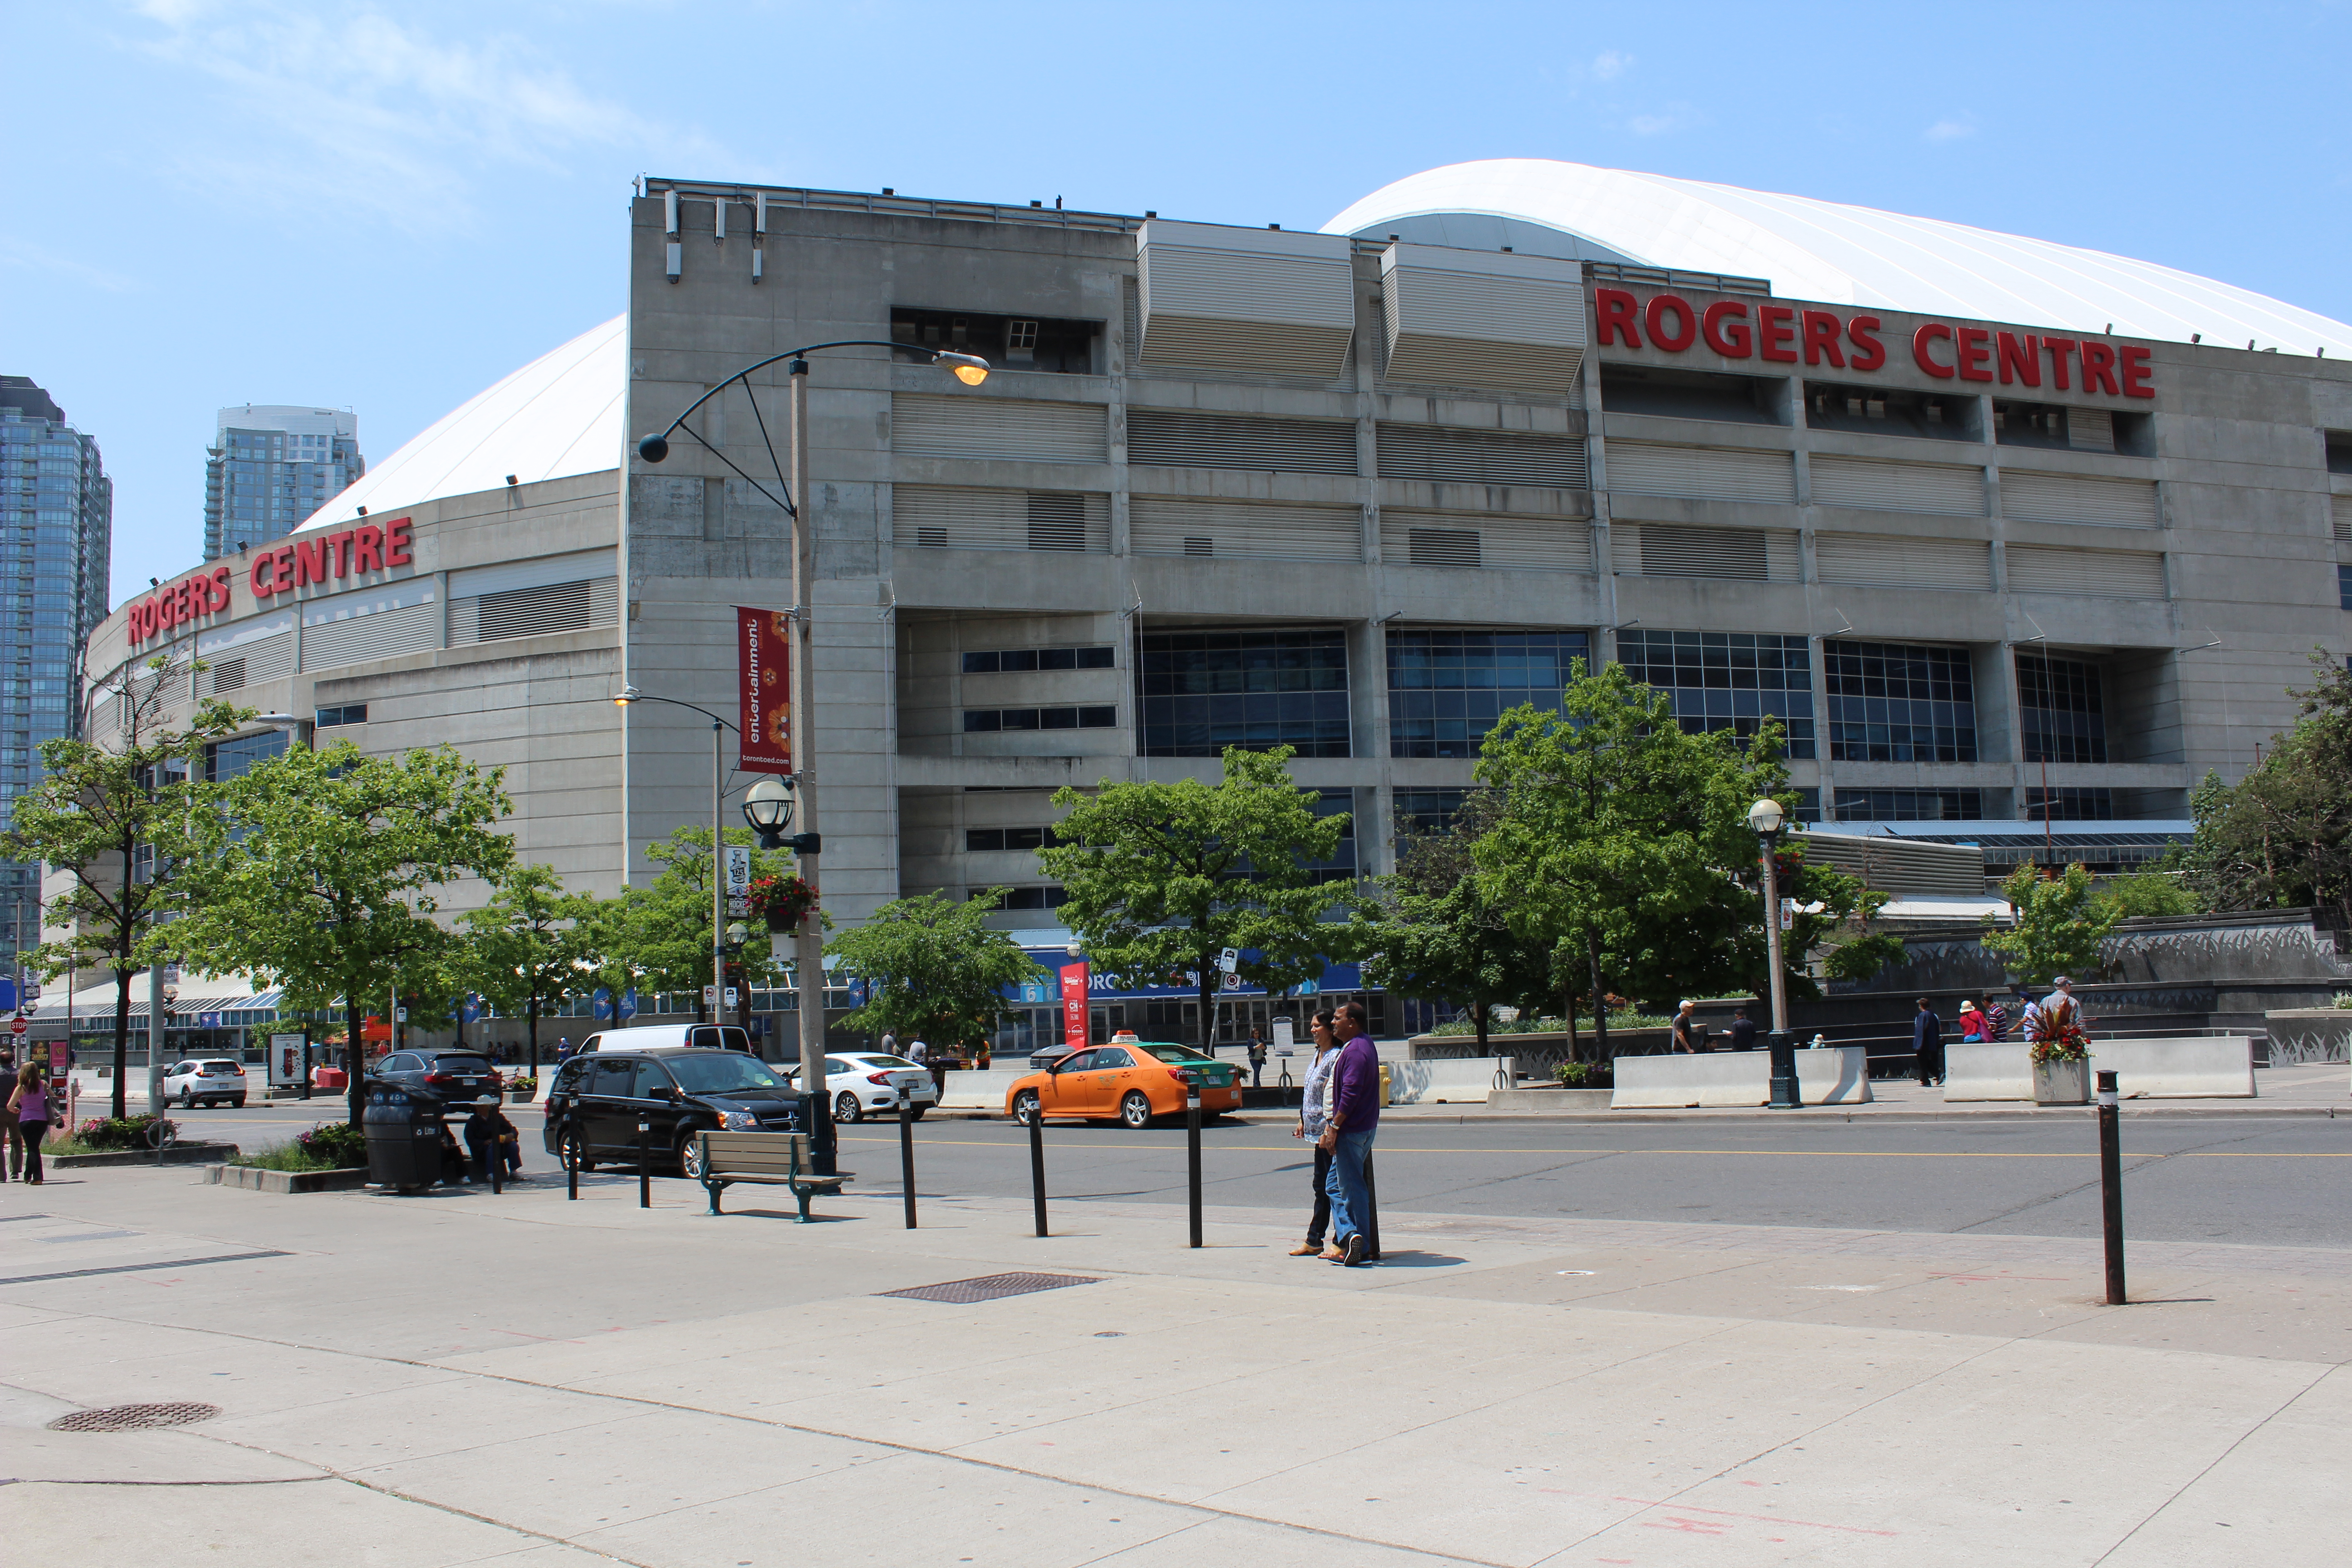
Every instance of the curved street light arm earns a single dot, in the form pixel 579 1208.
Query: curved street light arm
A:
pixel 631 695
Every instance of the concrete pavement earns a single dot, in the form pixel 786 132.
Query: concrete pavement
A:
pixel 521 1380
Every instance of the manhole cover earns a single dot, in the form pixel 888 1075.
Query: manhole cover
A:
pixel 989 1286
pixel 134 1417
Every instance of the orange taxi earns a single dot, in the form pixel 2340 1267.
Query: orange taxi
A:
pixel 1134 1081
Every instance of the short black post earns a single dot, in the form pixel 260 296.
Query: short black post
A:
pixel 1193 1147
pixel 1372 1212
pixel 1037 1165
pixel 1787 1093
pixel 907 1153
pixel 645 1171
pixel 2111 1185
pixel 569 1147
pixel 498 1165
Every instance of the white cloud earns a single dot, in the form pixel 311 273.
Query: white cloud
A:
pixel 1673 117
pixel 329 112
pixel 1950 130
pixel 1609 64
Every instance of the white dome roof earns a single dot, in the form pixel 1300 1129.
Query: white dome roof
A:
pixel 1843 255
pixel 558 415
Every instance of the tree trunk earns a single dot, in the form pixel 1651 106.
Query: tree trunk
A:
pixel 534 1035
pixel 355 1100
pixel 122 1041
pixel 1600 1000
pixel 1478 1016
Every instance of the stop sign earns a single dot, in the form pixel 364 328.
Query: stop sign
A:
pixel 19 1027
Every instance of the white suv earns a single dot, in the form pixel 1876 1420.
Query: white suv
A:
pixel 868 1083
pixel 207 1082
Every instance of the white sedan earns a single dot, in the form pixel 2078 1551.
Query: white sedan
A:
pixel 871 1083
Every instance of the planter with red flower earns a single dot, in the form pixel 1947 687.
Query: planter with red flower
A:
pixel 782 902
pixel 2061 1065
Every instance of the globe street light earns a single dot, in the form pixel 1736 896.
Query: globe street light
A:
pixel 1765 817
pixel 768 807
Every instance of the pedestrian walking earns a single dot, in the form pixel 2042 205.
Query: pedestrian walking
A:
pixel 1928 1044
pixel 1996 1021
pixel 889 1044
pixel 14 1138
pixel 1313 1116
pixel 562 1049
pixel 917 1051
pixel 1689 1036
pixel 1972 1024
pixel 1743 1031
pixel 2029 1015
pixel 1258 1062
pixel 30 1114
pixel 1355 1118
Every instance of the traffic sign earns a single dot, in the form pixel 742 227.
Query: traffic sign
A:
pixel 18 1026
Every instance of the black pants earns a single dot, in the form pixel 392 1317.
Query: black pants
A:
pixel 1931 1063
pixel 1320 1221
pixel 33 1133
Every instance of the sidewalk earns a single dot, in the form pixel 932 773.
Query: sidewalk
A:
pixel 467 1379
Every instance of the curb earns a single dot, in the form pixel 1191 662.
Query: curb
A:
pixel 254 1179
pixel 177 1154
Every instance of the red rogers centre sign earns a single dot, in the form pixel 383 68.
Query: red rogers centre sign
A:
pixel 1791 334
pixel 294 563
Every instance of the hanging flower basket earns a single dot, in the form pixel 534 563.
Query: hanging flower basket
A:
pixel 782 902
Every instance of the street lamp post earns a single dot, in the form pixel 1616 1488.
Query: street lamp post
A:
pixel 1765 817
pixel 718 728
pixel 808 941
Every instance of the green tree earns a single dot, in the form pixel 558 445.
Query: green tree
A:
pixel 659 939
pixel 1159 878
pixel 524 947
pixel 318 872
pixel 2143 893
pixel 2281 837
pixel 2058 924
pixel 932 968
pixel 98 815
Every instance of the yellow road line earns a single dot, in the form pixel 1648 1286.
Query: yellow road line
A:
pixel 1737 1153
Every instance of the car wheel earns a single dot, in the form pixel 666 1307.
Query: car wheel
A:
pixel 847 1108
pixel 574 1151
pixel 918 1112
pixel 689 1156
pixel 187 1099
pixel 237 1105
pixel 1025 1107
pixel 1134 1111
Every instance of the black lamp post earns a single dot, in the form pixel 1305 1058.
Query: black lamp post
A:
pixel 1765 817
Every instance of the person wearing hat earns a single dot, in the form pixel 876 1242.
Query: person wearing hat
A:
pixel 1973 1029
pixel 490 1136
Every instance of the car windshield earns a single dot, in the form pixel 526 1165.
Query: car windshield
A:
pixel 721 1072
pixel 886 1062
pixel 461 1064
pixel 1178 1055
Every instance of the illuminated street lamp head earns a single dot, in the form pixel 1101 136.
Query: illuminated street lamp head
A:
pixel 970 369
pixel 1765 815
pixel 653 448
pixel 768 807
pixel 628 694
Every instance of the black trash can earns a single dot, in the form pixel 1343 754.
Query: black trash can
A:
pixel 404 1138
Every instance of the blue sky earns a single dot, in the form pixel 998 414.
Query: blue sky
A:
pixel 388 207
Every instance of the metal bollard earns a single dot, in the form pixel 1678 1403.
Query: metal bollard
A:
pixel 565 1142
pixel 498 1166
pixel 645 1171
pixel 1037 1166
pixel 907 1153
pixel 2111 1185
pixel 1372 1213
pixel 1192 1146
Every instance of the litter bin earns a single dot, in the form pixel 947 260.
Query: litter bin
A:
pixel 404 1139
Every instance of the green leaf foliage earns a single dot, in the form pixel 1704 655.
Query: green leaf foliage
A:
pixel 1160 878
pixel 524 949
pixel 2142 893
pixel 2281 837
pixel 933 969
pixel 2059 923
pixel 658 937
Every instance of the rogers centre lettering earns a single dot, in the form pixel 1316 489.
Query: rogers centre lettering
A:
pixel 295 563
pixel 1785 334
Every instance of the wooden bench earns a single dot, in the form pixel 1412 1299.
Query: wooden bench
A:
pixel 771 1159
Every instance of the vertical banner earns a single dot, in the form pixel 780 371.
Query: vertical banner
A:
pixel 763 668
pixel 286 1054
pixel 1076 1033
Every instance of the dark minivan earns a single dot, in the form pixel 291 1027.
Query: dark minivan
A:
pixel 599 1098
pixel 451 1077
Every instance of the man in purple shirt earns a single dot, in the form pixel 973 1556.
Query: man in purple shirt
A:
pixel 1355 1116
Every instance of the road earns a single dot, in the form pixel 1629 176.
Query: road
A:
pixel 2284 1183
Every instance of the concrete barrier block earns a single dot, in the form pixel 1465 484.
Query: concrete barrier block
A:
pixel 972 1089
pixel 1711 1078
pixel 2001 1070
pixel 1458 1081
pixel 1835 1075
pixel 2219 1067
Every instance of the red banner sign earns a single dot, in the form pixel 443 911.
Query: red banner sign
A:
pixel 763 642
pixel 1076 1035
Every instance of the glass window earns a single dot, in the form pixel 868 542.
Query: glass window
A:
pixel 2344 586
pixel 1728 681
pixel 2065 720
pixel 2070 804
pixel 1909 805
pixel 1203 692
pixel 614 1078
pixel 1423 813
pixel 1112 1056
pixel 225 760
pixel 1899 702
pixel 1446 688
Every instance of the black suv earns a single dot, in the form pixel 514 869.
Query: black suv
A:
pixel 451 1077
pixel 599 1097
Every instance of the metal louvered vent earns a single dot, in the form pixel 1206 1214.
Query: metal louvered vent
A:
pixel 2091 429
pixel 937 425
pixel 1165 438
pixel 1705 473
pixel 1735 553
pixel 1057 520
pixel 2078 497
pixel 533 612
pixel 991 1286
pixel 931 538
pixel 1443 546
pixel 1892 561
pixel 940 517
pixel 1199 544
pixel 2341 506
pixel 229 674
pixel 2098 574
pixel 1161 525
pixel 134 1417
pixel 1445 455
pixel 1943 489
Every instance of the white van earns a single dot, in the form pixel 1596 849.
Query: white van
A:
pixel 652 1036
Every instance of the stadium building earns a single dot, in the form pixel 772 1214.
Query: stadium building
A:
pixel 2010 534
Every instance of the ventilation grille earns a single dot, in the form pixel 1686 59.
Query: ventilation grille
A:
pixel 2091 429
pixel 1509 542
pixel 534 612
pixel 1943 489
pixel 134 1417
pixel 1442 455
pixel 2341 506
pixel 938 516
pixel 1517 321
pixel 1159 526
pixel 385 634
pixel 1670 550
pixel 989 1287
pixel 998 430
pixel 1287 309
pixel 2074 498
pixel 1702 473
pixel 1899 561
pixel 227 675
pixel 1160 437
pixel 2100 573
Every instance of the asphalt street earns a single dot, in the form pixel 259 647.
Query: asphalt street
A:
pixel 2200 1177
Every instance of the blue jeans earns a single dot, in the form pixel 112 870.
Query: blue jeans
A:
pixel 1350 1205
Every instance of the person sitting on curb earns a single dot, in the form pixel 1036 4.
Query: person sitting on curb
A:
pixel 490 1136
pixel 1311 1118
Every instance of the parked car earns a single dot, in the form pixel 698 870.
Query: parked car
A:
pixel 595 1101
pixel 650 1037
pixel 452 1076
pixel 863 1083
pixel 213 1081
pixel 1135 1081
